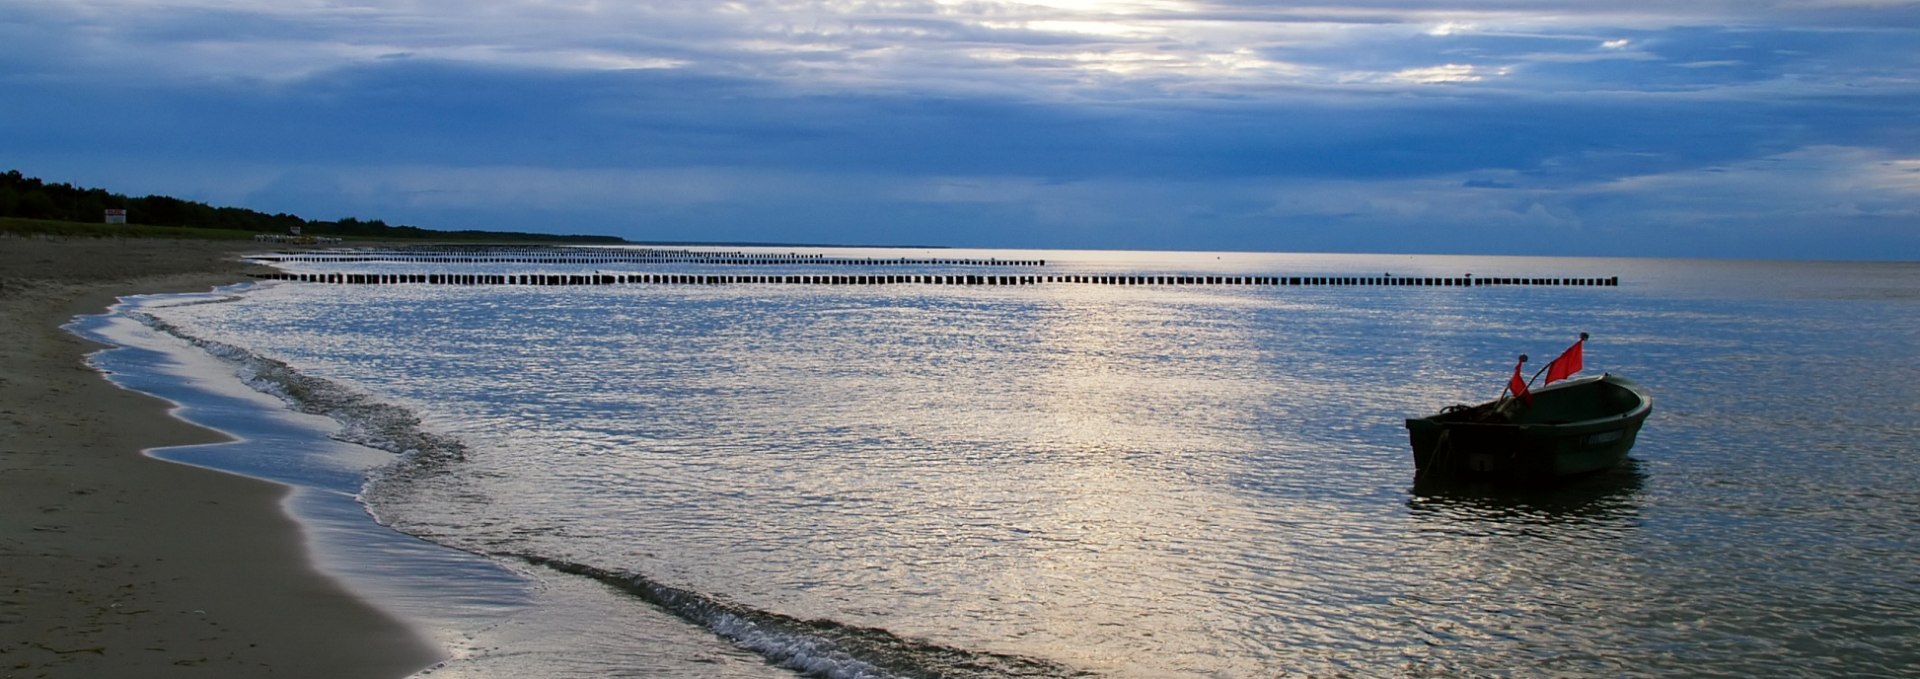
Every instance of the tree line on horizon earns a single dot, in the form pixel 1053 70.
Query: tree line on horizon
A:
pixel 31 198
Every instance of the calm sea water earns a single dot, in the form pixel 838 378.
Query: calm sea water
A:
pixel 1062 480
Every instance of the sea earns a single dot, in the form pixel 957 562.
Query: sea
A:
pixel 763 480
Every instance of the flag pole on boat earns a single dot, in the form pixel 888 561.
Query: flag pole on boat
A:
pixel 1515 386
pixel 1569 362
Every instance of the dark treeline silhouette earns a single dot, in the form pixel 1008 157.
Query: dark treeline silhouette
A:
pixel 31 198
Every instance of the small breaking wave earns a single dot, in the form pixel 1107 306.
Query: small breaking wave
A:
pixel 363 420
pixel 815 648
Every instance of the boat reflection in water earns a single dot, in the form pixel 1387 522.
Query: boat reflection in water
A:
pixel 1606 497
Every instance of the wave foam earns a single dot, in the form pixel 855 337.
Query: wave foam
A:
pixel 816 648
pixel 363 420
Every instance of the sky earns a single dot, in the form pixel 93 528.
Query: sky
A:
pixel 1784 129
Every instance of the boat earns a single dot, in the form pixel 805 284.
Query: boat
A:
pixel 1574 428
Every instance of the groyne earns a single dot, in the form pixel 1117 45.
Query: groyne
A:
pixel 926 279
pixel 602 257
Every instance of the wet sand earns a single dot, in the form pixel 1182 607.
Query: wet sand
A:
pixel 114 564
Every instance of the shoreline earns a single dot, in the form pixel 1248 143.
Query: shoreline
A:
pixel 120 564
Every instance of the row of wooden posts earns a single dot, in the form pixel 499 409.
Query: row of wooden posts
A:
pixel 924 279
pixel 639 257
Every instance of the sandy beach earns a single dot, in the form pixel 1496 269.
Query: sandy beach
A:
pixel 115 564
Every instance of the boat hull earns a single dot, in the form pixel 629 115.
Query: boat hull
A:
pixel 1576 428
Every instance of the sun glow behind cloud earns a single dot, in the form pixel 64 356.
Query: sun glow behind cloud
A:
pixel 1447 73
pixel 1451 28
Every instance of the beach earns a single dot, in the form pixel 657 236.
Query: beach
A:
pixel 120 565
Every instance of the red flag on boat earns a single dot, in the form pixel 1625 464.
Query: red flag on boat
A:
pixel 1569 362
pixel 1518 385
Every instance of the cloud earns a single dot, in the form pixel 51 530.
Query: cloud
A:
pixel 1825 181
pixel 1806 197
pixel 1057 123
pixel 1042 49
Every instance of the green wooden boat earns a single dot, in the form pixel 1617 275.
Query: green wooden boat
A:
pixel 1576 427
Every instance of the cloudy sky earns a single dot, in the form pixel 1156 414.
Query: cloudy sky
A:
pixel 1721 128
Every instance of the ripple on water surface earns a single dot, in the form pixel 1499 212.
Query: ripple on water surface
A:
pixel 1148 482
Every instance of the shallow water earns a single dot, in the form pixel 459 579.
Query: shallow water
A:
pixel 1063 480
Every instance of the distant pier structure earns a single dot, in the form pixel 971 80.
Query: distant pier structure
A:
pixel 547 279
pixel 890 268
pixel 589 256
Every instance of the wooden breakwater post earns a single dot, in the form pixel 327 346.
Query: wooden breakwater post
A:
pixel 923 279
